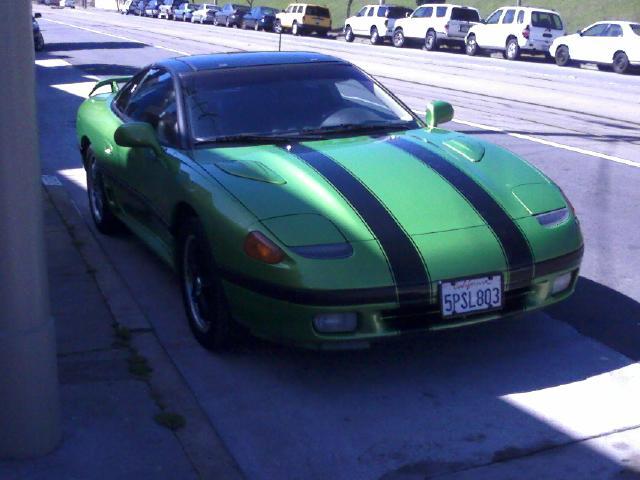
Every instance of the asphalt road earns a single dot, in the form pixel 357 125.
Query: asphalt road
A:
pixel 550 395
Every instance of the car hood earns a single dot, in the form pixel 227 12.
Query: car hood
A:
pixel 277 181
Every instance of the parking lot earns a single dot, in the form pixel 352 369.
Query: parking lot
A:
pixel 549 395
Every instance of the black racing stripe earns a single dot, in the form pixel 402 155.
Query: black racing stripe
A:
pixel 410 275
pixel 517 251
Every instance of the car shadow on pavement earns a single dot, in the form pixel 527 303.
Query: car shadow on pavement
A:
pixel 72 46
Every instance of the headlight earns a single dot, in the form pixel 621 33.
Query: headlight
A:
pixel 553 218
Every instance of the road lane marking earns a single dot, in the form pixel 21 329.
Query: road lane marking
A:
pixel 548 143
pixel 119 37
pixel 52 62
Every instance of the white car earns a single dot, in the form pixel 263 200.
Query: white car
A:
pixel 435 25
pixel 375 22
pixel 513 30
pixel 610 43
pixel 204 14
pixel 67 3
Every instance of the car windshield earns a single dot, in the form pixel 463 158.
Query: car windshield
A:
pixel 288 100
pixel 268 11
pixel 465 14
pixel 636 28
pixel 546 20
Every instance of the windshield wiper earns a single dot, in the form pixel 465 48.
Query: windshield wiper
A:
pixel 257 139
pixel 360 127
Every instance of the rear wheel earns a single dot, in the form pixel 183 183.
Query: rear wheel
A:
pixel 202 291
pixel 348 34
pixel 256 27
pixel 471 46
pixel 512 51
pixel 215 22
pixel 375 36
pixel 104 219
pixel 295 29
pixel 431 41
pixel 620 62
pixel 398 38
pixel 227 23
pixel 563 58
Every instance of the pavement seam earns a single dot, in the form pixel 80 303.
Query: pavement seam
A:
pixel 535 451
pixel 208 455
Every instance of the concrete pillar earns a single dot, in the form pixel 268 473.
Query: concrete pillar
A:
pixel 29 403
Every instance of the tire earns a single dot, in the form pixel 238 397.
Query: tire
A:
pixel 620 63
pixel 348 34
pixel 471 46
pixel 563 58
pixel 202 291
pixel 226 23
pixel 215 22
pixel 295 30
pixel 512 49
pixel 374 38
pixel 256 27
pixel 277 27
pixel 243 25
pixel 398 39
pixel 431 41
pixel 103 218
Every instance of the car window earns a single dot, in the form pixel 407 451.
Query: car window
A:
pixel 441 12
pixel 494 18
pixel 635 28
pixel 509 16
pixel 318 12
pixel 615 30
pixel 122 99
pixel 395 12
pixel 547 20
pixel 291 99
pixel 521 17
pixel 370 12
pixel 465 14
pixel 382 11
pixel 423 12
pixel 362 11
pixel 596 30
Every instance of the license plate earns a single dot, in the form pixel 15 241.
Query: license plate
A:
pixel 470 295
pixel 464 28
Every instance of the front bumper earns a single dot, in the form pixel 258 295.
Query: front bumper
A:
pixel 286 315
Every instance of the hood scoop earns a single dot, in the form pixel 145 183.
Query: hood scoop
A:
pixel 250 170
pixel 466 148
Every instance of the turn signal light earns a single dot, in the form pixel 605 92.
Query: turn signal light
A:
pixel 257 246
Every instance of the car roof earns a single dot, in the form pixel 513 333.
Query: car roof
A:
pixel 197 63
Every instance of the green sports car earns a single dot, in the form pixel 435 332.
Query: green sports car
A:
pixel 297 198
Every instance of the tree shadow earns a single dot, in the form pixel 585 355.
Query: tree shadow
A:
pixel 71 46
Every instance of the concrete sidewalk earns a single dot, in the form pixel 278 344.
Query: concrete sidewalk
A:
pixel 126 411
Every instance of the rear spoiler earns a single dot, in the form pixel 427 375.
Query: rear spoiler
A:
pixel 114 82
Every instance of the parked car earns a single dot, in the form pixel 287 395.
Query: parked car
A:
pixel 204 14
pixel 231 15
pixel 614 44
pixel 513 30
pixel 260 18
pixel 38 39
pixel 330 215
pixel 435 25
pixel 152 9
pixel 129 6
pixel 67 3
pixel 303 18
pixel 140 7
pixel 374 21
pixel 166 8
pixel 184 11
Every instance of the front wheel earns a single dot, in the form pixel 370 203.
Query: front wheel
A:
pixel 620 62
pixel 228 23
pixel 431 41
pixel 398 39
pixel 202 291
pixel 471 46
pixel 295 29
pixel 512 51
pixel 563 58
pixel 277 26
pixel 103 218
pixel 215 22
pixel 374 39
pixel 348 34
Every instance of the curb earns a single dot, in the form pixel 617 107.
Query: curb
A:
pixel 201 443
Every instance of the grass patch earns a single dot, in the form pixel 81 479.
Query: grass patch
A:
pixel 170 420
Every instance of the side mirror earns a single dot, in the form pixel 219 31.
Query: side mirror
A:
pixel 37 15
pixel 137 134
pixel 437 113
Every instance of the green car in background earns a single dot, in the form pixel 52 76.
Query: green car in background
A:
pixel 298 198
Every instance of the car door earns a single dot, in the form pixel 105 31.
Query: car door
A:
pixel 151 176
pixel 418 22
pixel 488 34
pixel 356 21
pixel 590 41
pixel 609 44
